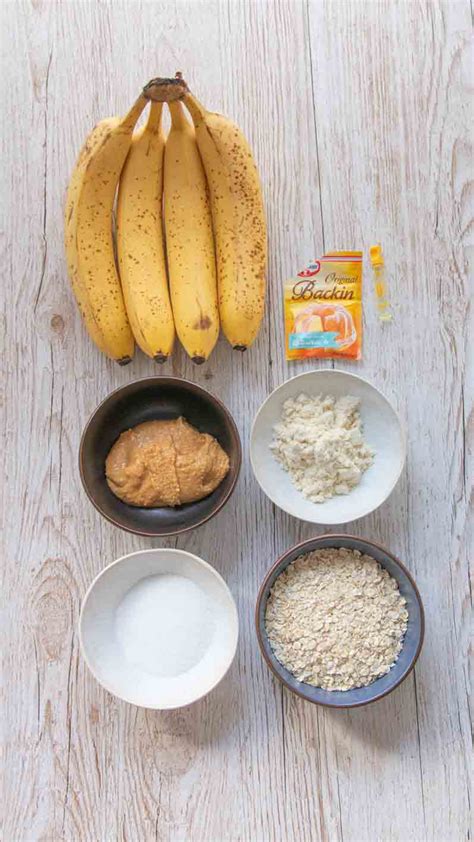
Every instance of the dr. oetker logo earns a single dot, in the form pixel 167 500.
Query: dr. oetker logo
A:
pixel 311 270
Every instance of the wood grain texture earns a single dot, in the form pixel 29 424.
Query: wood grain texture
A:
pixel 358 113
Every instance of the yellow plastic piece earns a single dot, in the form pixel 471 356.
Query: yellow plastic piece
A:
pixel 376 255
pixel 378 266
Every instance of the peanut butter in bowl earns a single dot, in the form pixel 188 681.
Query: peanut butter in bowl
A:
pixel 165 463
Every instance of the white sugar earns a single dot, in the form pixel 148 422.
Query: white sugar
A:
pixel 164 624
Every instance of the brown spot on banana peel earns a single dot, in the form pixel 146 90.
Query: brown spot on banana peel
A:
pixel 203 323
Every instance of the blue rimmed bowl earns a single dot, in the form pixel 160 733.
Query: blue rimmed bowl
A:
pixel 412 641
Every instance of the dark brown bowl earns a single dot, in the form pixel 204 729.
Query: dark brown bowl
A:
pixel 150 399
pixel 412 642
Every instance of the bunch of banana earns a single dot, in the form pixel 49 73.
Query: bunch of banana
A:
pixel 203 185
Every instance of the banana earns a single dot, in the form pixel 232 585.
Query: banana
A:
pixel 93 141
pixel 238 220
pixel 189 240
pixel 88 234
pixel 140 249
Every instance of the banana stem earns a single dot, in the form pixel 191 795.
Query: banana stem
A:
pixel 154 117
pixel 178 119
pixel 165 90
pixel 132 116
pixel 197 111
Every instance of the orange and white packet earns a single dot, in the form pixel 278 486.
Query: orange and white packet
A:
pixel 323 308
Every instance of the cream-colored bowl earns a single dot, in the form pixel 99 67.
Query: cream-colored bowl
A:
pixel 382 430
pixel 120 649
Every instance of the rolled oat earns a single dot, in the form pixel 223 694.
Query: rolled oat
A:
pixel 335 618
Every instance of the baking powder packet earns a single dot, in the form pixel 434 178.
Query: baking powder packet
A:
pixel 323 308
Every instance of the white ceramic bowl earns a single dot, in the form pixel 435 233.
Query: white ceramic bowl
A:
pixel 108 636
pixel 381 429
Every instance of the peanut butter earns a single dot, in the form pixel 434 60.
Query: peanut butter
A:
pixel 165 463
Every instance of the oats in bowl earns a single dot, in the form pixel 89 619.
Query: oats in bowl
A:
pixel 335 619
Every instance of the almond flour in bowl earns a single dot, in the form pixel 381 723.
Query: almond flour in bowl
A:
pixel 319 442
pixel 335 619
pixel 382 433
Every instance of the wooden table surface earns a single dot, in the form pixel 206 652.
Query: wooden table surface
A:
pixel 358 113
